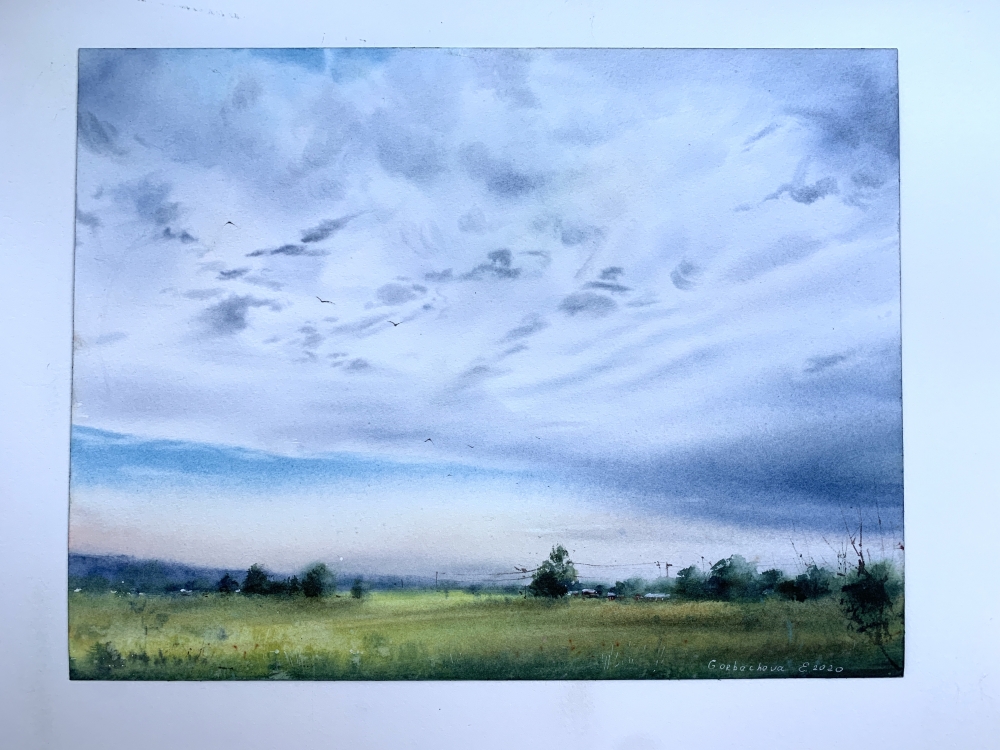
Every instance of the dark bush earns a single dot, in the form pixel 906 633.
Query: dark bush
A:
pixel 812 584
pixel 317 580
pixel 358 588
pixel 104 659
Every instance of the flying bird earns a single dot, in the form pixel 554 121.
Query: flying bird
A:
pixel 393 323
pixel 428 440
pixel 326 301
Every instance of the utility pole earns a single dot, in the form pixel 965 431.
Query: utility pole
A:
pixel 667 567
pixel 435 580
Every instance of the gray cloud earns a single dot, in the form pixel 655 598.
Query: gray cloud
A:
pixel 805 477
pixel 500 266
pixel 234 273
pixel 184 236
pixel 230 315
pixel 327 228
pixel 91 220
pixel 395 294
pixel 611 273
pixel 500 177
pixel 444 275
pixel 416 154
pixel 607 286
pixel 817 364
pixel 358 365
pixel 149 199
pixel 97 135
pixel 867 116
pixel 588 303
pixel 312 337
pixel 577 235
pixel 531 324
pixel 684 274
pixel 289 250
pixel 506 72
pixel 807 193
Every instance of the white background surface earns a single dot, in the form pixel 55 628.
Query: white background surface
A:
pixel 949 64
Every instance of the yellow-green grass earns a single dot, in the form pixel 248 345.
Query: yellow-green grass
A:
pixel 427 635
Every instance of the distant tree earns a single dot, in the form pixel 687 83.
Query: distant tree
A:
pixel 690 583
pixel 732 578
pixel 256 581
pixel 554 576
pixel 316 580
pixel 278 588
pixel 294 586
pixel 630 587
pixel 358 588
pixel 227 584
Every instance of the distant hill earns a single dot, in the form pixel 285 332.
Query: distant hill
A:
pixel 105 572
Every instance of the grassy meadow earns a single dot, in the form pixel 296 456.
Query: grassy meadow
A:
pixel 420 635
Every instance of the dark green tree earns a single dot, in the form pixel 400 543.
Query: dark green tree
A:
pixel 294 585
pixel 690 583
pixel 256 581
pixel 554 576
pixel 227 584
pixel 358 588
pixel 317 580
pixel 769 581
pixel 732 578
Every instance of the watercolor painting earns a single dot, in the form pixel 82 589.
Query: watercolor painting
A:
pixel 471 364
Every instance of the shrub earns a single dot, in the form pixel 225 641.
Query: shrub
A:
pixel 104 659
pixel 358 588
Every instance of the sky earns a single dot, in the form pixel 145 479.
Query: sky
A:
pixel 415 309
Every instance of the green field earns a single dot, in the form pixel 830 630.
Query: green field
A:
pixel 428 635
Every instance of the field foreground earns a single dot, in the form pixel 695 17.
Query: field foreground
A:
pixel 428 635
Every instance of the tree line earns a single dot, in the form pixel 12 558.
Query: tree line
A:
pixel 317 580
